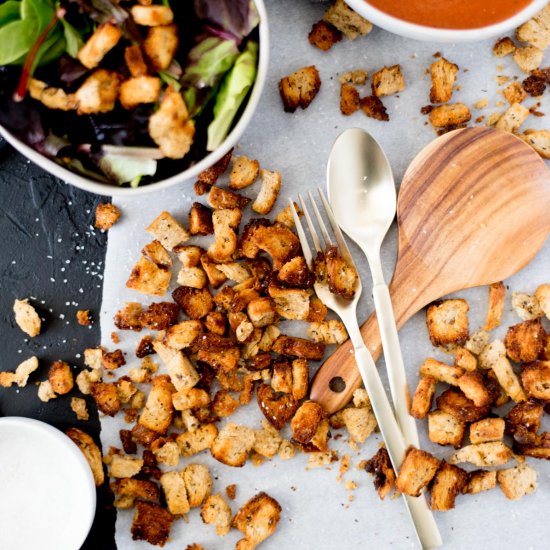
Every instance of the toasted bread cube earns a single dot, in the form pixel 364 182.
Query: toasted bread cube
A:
pixel 349 99
pixel 290 303
pixel 173 486
pixel 448 322
pixel 514 93
pixel 323 35
pixel 465 360
pixel 496 306
pixel 373 107
pixel 232 445
pixel 45 391
pixel 244 172
pixel 189 255
pixel 277 240
pixel 535 378
pixel 53 98
pixel 151 523
pixel 447 484
pixel 60 377
pixel 384 476
pixel 285 215
pixel 528 58
pixel 158 412
pixel 152 16
pixel 127 489
pixel 262 312
pixel 492 453
pixel 182 373
pixel 103 40
pixel 192 398
pixel 193 277
pixel 160 316
pixel 526 306
pixel 517 482
pixel 298 347
pixel 360 423
pixel 168 231
pixel 296 273
pixel 441 371
pixel 235 271
pixel 134 61
pixel 198 483
pixel 525 341
pixel 513 118
pixel 98 93
pixel 491 353
pixel 347 21
pixel 473 386
pixel 463 409
pixel 216 511
pixel 85 379
pixel 257 520
pixel 216 322
pixel 219 199
pixel 480 480
pixel 503 47
pixel 542 294
pixel 224 358
pixel 139 90
pixel 183 334
pixel 300 88
pixel 536 31
pixel 196 303
pixel 477 342
pixel 277 407
pixel 26 317
pixel 447 115
pixel 328 332
pixel 21 374
pixel 488 429
pixel 155 252
pixel 539 140
pixel 417 470
pixel 160 46
pixel 224 404
pixel 267 440
pixel 342 277
pixel 194 442
pixel 113 360
pixel 224 221
pixel 129 318
pixel 423 397
pixel 508 379
pixel 300 378
pixel 106 215
pixel 125 466
pixel 445 429
pixel 524 415
pixel 200 220
pixel 90 451
pixel 148 278
pixel 357 76
pixel 305 422
pixel 269 191
pixel 388 81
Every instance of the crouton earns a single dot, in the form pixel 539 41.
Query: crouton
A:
pixel 278 408
pixel 373 107
pixel 269 191
pixel 158 412
pixel 215 277
pixel 488 429
pixel 492 453
pixel 491 353
pixel 517 482
pixel 134 61
pixel 342 276
pixel 151 523
pixel 196 303
pixel 290 303
pixel 513 118
pixel 180 369
pixel 267 440
pixel 454 114
pixel 216 511
pixel 417 470
pixel 443 74
pixel 503 47
pixel 262 312
pixel 191 398
pixel 536 31
pixel 152 16
pixel 480 480
pixel 449 481
pixel 183 334
pixel 525 341
pixel 235 271
pixel 60 377
pixel 296 273
pixel 139 90
pixel 473 386
pixel 423 397
pixel 535 378
pixel 175 492
pixel 85 379
pixel 103 40
pixel 360 423
pixel 277 240
pixel 526 306
pixel 496 306
pixel 477 342
pixel 160 45
pixel 219 198
pixel 45 391
pixel 534 84
pixel 170 127
pixel 328 332
pixel 508 379
pixel 349 99
pixel 388 81
pixel 27 318
pixel 539 140
pixel 384 476
pixel 198 483
pixel 269 335
pixel 257 520
pixel 200 220
pixel 21 374
pixel 300 88
pixel 320 459
pixel 194 442
pixel 220 353
pixel 285 215
pixel 224 221
pixel 210 175
pixel 448 322
pixel 106 215
pixel 542 294
pixel 90 451
pixel 244 172
pixel 224 404
pixel 445 429
pixel 216 322
pixel 147 278
pixel 129 318
pixel 300 378
pixel 347 21
pixel 305 422
pixel 193 277
pixel 298 347
pixel 51 97
pixel 106 397
pixel 463 409
pixel 527 415
pixel 160 316
pixel 528 58
pixel 134 488
pixel 514 93
pixel 112 360
pixel 232 445
pixel 441 371
pixel 125 466
pixel 324 35
pixel 465 360
pixel 98 93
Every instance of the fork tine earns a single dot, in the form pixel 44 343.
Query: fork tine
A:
pixel 301 234
pixel 324 232
pixel 310 225
pixel 344 250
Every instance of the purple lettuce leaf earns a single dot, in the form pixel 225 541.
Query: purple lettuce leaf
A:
pixel 235 18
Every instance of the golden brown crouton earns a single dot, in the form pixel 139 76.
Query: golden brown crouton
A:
pixel 224 221
pixel 235 271
pixel 26 317
pixel 526 306
pixel 447 115
pixel 148 278
pixel 488 429
pixel 513 118
pixel 257 520
pixel 196 303
pixel 423 396
pixel 508 379
pixel 277 240
pixel 473 386
pixel 305 422
pixel 232 445
pixel 454 402
pixel 269 191
pixel 539 140
pixel 384 476
pixel 300 378
pixel 492 453
pixel 342 277
pixel 443 74
pixel 152 16
pixel 465 360
pixel 417 470
pixel 180 369
pixel 125 466
pixel 98 93
pixel 83 317
pixel 388 81
pixel 296 273
pixel 113 360
pixel 51 97
pixel 134 488
pixel 158 411
pixel 106 397
pixel 151 523
pixel 104 39
pixel 490 354
pixel 441 371
pixel 347 21
pixel 496 306
pixel 220 353
pixel 448 322
pixel 528 58
pixel 349 99
pixel 323 35
pixel 160 45
pixel 106 215
pixel 278 408
pixel 525 341
pixel 167 231
pixel 21 374
pixel 527 415
pixel 357 76
pixel 262 312
pixel 134 60
pixel 200 220
pixel 360 423
pixel 477 342
pixel 517 482
pixel 298 347
pixel 514 93
pixel 219 198
pixel 267 440
pixel 373 107
pixel 244 172
pixel 542 294
pixel 536 31
pixel 300 88
pixel 139 90
pixel 224 404
pixel 198 483
pixel 193 277
pixel 445 429
pixel 61 378
pixel 216 511
pixel 328 332
pixel 129 318
pixel 175 492
pixel 183 334
pixel 447 484
pixel 189 255
pixel 285 215
pixel 535 378
pixel 198 440
pixel 480 480
pixel 90 451
pixel 290 303
pixel 503 47
pixel 191 398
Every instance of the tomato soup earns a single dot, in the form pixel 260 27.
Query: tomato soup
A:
pixel 451 14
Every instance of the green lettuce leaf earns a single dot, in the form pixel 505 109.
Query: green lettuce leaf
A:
pixel 124 169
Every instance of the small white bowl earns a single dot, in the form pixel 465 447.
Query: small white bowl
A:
pixel 433 34
pixel 48 496
pixel 230 141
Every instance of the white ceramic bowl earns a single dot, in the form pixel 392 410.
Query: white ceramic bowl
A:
pixel 48 496
pixel 230 141
pixel 432 34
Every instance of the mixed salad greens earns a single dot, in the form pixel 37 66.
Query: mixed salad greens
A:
pixel 213 68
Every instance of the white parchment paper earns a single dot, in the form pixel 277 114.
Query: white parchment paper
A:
pixel 316 511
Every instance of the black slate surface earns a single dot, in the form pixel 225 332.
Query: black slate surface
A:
pixel 50 253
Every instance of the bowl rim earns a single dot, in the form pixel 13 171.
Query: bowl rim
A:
pixel 230 141
pixel 434 34
pixel 88 489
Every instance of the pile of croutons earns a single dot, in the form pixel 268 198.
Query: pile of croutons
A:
pixel 481 385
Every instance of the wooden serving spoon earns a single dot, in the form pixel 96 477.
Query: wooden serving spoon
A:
pixel 473 209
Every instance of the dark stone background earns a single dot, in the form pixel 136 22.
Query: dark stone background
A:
pixel 50 253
